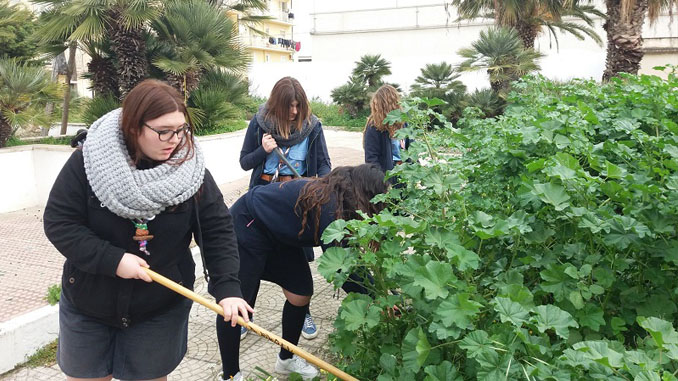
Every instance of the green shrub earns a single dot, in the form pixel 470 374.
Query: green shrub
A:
pixel 14 141
pixel 541 245
pixel 353 96
pixel 53 294
pixel 487 101
pixel 98 107
pixel 221 99
pixel 333 115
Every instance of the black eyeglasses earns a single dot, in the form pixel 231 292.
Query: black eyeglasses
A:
pixel 166 135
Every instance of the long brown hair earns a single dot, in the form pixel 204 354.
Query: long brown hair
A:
pixel 148 100
pixel 384 100
pixel 286 91
pixel 351 188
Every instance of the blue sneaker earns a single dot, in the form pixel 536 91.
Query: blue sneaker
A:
pixel 243 330
pixel 309 331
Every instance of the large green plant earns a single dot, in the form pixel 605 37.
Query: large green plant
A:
pixel 441 81
pixel 352 96
pixel 371 69
pixel 500 53
pixel 531 17
pixel 198 36
pixel 220 100
pixel 540 245
pixel 24 91
pixel 16 26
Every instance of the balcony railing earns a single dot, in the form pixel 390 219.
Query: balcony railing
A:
pixel 278 43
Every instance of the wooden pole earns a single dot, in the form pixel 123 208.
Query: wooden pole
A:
pixel 251 326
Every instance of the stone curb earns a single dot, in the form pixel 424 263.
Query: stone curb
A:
pixel 24 335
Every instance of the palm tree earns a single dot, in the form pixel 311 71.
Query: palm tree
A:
pixel 24 91
pixel 16 26
pixel 441 81
pixel 371 68
pixel 624 27
pixel 101 68
pixel 197 36
pixel 221 96
pixel 437 80
pixel 501 53
pixel 530 17
pixel 352 95
pixel 119 21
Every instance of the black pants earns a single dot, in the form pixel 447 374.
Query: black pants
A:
pixel 260 258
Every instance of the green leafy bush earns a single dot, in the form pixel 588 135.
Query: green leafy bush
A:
pixel 334 115
pixel 98 107
pixel 539 245
pixel 220 101
pixel 487 101
pixel 53 294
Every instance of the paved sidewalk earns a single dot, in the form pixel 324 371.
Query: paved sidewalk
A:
pixel 202 361
pixel 31 265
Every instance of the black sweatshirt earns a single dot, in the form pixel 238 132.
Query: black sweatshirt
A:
pixel 272 206
pixel 93 240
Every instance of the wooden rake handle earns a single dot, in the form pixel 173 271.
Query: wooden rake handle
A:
pixel 251 326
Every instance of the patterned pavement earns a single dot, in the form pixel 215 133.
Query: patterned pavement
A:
pixel 34 265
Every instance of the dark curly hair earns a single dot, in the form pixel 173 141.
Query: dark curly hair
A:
pixel 351 187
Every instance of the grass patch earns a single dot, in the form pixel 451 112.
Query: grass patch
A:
pixel 230 126
pixel 45 356
pixel 14 141
pixel 333 115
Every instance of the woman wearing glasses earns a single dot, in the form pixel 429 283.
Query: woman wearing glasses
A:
pixel 131 198
pixel 284 126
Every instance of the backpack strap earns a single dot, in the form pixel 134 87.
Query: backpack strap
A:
pixel 198 238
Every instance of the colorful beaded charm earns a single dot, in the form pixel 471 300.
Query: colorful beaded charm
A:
pixel 141 234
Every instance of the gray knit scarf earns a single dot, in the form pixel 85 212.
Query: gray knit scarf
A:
pixel 130 192
pixel 295 137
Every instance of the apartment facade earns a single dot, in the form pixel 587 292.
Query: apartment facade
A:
pixel 271 40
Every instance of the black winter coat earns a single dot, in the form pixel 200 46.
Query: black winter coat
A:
pixel 378 148
pixel 253 155
pixel 93 240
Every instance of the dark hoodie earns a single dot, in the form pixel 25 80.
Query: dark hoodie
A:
pixel 253 156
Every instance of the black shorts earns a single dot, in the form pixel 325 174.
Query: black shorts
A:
pixel 261 257
pixel 90 349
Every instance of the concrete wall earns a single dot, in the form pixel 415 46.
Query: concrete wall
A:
pixel 23 336
pixel 32 169
pixel 413 33
pixel 18 190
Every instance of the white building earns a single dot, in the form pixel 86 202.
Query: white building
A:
pixel 412 33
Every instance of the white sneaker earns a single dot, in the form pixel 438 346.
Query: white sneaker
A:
pixel 238 377
pixel 296 365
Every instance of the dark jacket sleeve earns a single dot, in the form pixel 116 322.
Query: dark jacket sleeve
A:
pixel 372 145
pixel 323 159
pixel 65 222
pixel 219 243
pixel 252 152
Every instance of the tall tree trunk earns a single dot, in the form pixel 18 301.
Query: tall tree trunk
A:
pixel 185 84
pixel 5 131
pixel 129 47
pixel 104 76
pixel 624 38
pixel 67 94
pixel 59 67
pixel 527 33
